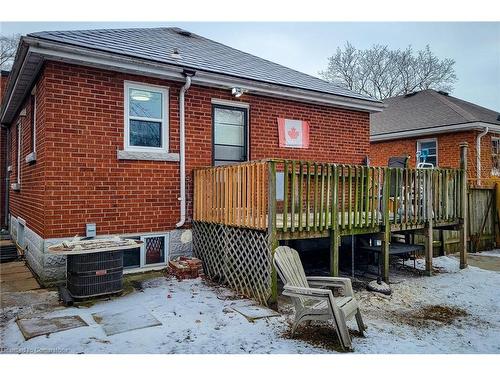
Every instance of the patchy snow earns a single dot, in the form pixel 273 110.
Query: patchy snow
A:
pixel 490 253
pixel 197 317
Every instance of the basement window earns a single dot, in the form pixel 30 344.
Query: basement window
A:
pixel 495 156
pixel 152 253
pixel 146 118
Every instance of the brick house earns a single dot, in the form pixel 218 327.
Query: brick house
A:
pixel 437 122
pixel 105 127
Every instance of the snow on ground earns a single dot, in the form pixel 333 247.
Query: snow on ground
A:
pixel 197 318
pixel 490 253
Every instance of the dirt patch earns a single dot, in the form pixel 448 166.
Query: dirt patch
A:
pixel 432 314
pixel 320 335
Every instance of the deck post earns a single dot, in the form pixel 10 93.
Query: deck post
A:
pixel 334 253
pixel 497 214
pixel 463 198
pixel 271 227
pixel 386 239
pixel 334 236
pixel 428 232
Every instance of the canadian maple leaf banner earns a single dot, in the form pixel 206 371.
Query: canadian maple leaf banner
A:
pixel 293 133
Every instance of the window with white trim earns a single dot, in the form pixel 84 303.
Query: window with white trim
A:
pixel 146 118
pixel 495 156
pixel 427 151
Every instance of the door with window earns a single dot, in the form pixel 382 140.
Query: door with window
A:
pixel 230 134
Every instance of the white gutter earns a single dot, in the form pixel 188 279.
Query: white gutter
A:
pixel 478 153
pixel 182 151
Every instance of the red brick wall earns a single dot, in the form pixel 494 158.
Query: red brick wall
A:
pixel 3 173
pixel 83 129
pixel 3 153
pixel 448 151
pixel 29 203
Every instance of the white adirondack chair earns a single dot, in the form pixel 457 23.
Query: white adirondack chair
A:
pixel 312 301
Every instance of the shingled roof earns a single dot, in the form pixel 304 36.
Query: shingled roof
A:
pixel 197 52
pixel 428 109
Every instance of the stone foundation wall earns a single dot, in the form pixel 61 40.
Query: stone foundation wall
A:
pixel 180 243
pixel 50 269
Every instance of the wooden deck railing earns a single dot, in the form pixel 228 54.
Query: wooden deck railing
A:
pixel 300 196
pixel 233 195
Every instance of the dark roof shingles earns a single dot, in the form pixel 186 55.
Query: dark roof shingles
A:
pixel 427 109
pixel 197 52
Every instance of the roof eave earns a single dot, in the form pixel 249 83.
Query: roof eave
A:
pixel 477 125
pixel 17 66
pixel 38 50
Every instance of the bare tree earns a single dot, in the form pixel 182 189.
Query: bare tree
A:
pixel 381 72
pixel 8 48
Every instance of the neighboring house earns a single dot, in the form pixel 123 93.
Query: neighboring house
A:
pixel 437 122
pixel 106 127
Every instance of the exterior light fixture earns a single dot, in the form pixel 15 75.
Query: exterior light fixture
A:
pixel 237 91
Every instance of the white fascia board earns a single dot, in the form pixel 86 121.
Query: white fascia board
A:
pixel 15 86
pixel 111 61
pixel 107 61
pixel 267 89
pixel 435 130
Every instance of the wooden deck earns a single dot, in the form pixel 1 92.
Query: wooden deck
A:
pixel 296 199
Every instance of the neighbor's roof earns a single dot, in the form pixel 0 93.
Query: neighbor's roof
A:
pixel 428 109
pixel 197 52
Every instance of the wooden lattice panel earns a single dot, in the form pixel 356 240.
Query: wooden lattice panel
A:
pixel 237 256
pixel 208 245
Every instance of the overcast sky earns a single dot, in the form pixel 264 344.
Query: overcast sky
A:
pixel 306 46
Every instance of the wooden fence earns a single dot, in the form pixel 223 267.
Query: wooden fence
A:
pixel 482 224
pixel 482 218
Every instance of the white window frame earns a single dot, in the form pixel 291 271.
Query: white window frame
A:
pixel 21 233
pixel 164 120
pixel 143 251
pixel 494 171
pixel 419 143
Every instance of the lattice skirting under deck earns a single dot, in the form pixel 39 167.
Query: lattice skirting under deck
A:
pixel 236 256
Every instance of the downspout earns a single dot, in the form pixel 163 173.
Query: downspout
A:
pixel 7 178
pixel 478 153
pixel 182 151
